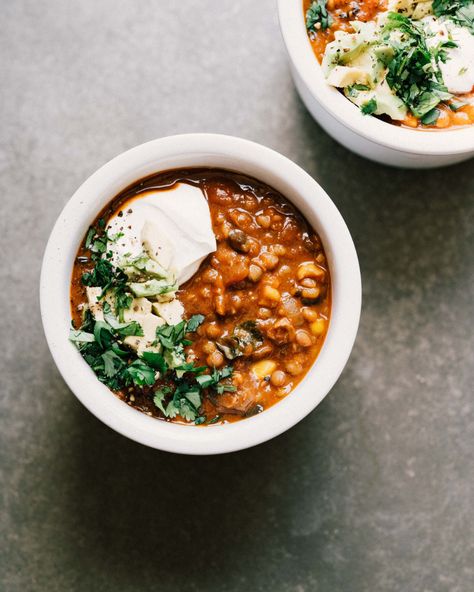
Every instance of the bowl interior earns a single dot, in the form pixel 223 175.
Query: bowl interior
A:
pixel 194 151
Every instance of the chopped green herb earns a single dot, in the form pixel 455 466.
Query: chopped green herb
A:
pixel 413 72
pixel 318 17
pixel 115 237
pixel 245 334
pixel 460 11
pixel 81 337
pixel 215 419
pixel 369 107
pixel 89 237
pixel 431 117
pixel 155 360
pixel 139 373
pixel 160 396
pixel 194 322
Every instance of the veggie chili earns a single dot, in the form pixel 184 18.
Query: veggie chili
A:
pixel 257 309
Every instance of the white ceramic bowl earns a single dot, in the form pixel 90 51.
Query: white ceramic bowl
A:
pixel 365 135
pixel 200 150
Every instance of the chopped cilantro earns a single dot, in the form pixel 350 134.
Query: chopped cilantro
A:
pixel 194 322
pixel 101 342
pixel 431 117
pixel 89 237
pixel 413 72
pixel 369 107
pixel 455 104
pixel 215 419
pixel 81 337
pixel 155 360
pixel 318 17
pixel 460 11
pixel 139 373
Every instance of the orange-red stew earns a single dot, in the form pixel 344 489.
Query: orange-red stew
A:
pixel 269 273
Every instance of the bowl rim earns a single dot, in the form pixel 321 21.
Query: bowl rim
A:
pixel 235 154
pixel 420 142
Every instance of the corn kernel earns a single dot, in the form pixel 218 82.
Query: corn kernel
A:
pixel 263 368
pixel 318 327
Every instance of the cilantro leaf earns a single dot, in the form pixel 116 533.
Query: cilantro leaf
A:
pixel 460 11
pixel 81 336
pixel 318 17
pixel 112 363
pixel 369 107
pixel 139 373
pixel 431 117
pixel 171 410
pixel 122 329
pixel 194 322
pixel 159 397
pixel 413 71
pixel 89 237
pixel 103 334
pixel 155 360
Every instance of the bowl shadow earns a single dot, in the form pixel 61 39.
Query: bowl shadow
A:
pixel 142 516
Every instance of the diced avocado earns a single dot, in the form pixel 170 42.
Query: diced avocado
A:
pixel 347 46
pixel 95 306
pixel 415 9
pixel 152 288
pixel 383 53
pixel 139 306
pixel 342 76
pixel 143 266
pixel 171 312
pixel 356 52
pixel 148 322
pixel 387 102
pixel 175 357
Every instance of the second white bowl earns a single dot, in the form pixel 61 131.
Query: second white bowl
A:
pixel 365 135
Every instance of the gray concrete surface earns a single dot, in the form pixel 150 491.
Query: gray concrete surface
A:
pixel 374 491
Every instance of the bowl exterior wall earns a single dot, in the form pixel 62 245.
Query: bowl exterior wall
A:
pixel 365 147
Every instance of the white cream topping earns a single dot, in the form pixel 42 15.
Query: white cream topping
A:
pixel 458 71
pixel 173 226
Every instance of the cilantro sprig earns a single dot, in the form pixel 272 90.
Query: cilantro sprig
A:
pixel 104 274
pixel 99 343
pixel 186 398
pixel 460 11
pixel 369 107
pixel 413 71
pixel 188 379
pixel 318 17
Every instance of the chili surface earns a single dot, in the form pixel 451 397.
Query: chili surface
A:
pixel 269 275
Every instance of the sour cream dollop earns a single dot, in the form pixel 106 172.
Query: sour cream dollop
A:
pixel 173 226
pixel 458 71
